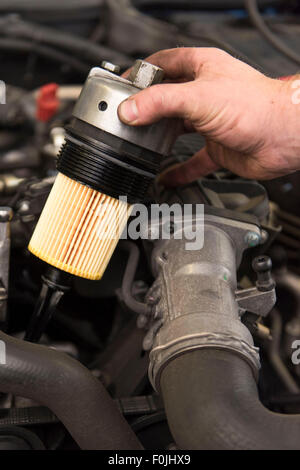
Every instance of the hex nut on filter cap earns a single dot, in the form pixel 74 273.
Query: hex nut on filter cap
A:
pixel 143 74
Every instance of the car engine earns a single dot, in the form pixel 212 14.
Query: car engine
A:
pixel 165 336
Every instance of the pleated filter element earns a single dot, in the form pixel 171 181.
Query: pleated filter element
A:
pixel 79 228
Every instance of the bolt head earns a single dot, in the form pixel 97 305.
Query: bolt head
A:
pixel 252 239
pixel 143 74
pixel 262 264
pixel 24 207
pixel 110 67
pixel 6 214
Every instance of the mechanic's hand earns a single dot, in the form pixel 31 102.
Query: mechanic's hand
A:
pixel 249 121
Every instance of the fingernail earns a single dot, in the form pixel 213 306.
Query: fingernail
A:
pixel 128 111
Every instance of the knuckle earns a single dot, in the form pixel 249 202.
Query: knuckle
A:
pixel 156 96
pixel 218 53
pixel 206 59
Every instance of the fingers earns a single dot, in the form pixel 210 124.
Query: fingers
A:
pixel 177 63
pixel 171 99
pixel 154 103
pixel 184 62
pixel 199 165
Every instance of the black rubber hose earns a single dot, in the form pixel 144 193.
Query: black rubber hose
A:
pixel 71 392
pixel 258 22
pixel 85 49
pixel 157 34
pixel 212 403
pixel 23 46
pixel 200 4
pixel 25 439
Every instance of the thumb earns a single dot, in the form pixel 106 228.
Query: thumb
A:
pixel 199 165
pixel 156 102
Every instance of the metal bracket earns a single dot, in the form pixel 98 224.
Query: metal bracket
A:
pixel 255 301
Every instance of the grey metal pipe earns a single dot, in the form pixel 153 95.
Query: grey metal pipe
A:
pixel 197 298
pixel 69 389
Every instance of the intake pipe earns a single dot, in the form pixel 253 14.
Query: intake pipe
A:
pixel 212 403
pixel 203 360
pixel 75 396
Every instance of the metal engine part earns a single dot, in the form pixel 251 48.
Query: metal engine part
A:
pixel 223 363
pixel 194 297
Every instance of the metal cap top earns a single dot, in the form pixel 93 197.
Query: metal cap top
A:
pixel 142 74
pixel 104 91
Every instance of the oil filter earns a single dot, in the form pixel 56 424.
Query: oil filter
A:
pixel 104 167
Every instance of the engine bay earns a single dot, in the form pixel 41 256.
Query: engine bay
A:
pixel 143 346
